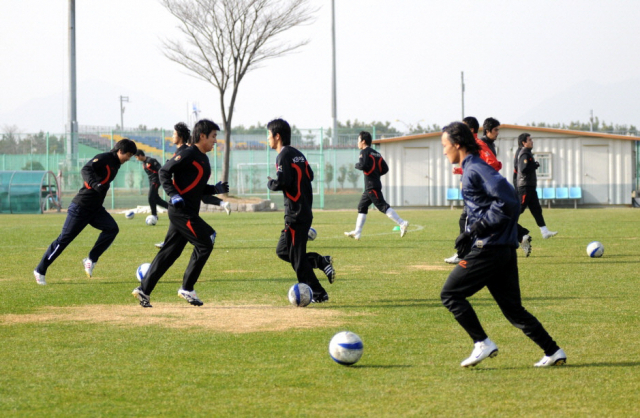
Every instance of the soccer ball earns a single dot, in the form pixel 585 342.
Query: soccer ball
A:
pixel 142 270
pixel 151 220
pixel 346 348
pixel 312 234
pixel 129 214
pixel 595 249
pixel 300 295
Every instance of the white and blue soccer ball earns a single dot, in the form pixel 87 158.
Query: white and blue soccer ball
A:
pixel 346 348
pixel 300 295
pixel 151 220
pixel 595 249
pixel 130 214
pixel 142 270
pixel 312 234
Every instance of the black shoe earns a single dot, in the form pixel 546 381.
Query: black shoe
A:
pixel 328 269
pixel 320 297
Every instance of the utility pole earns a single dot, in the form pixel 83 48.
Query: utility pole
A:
pixel 462 80
pixel 334 106
pixel 72 140
pixel 124 99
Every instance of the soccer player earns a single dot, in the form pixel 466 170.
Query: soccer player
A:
pixel 151 166
pixel 373 166
pixel 184 177
pixel 525 180
pixel 182 139
pixel 488 250
pixel 86 209
pixel 294 177
pixel 489 157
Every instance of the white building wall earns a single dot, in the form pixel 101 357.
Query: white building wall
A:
pixel 567 165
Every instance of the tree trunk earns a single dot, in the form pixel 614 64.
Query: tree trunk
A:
pixel 227 150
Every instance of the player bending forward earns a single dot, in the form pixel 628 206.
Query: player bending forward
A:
pixel 373 166
pixel 294 178
pixel 488 251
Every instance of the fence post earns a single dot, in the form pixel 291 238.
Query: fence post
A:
pixel 113 189
pixel 322 177
pixel 47 165
pixel 268 163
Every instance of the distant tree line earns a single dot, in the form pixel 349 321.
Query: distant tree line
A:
pixel 594 125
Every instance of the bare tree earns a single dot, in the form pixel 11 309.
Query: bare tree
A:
pixel 227 38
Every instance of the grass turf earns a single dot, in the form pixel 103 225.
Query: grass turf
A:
pixel 387 291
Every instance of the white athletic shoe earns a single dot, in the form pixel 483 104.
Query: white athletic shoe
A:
pixel 39 278
pixel 227 207
pixel 549 234
pixel 353 234
pixel 88 266
pixel 557 359
pixel 159 245
pixel 142 297
pixel 454 259
pixel 481 350
pixel 403 228
pixel 190 297
pixel 526 245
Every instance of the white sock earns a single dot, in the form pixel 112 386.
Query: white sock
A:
pixel 544 230
pixel 394 216
pixel 224 204
pixel 362 217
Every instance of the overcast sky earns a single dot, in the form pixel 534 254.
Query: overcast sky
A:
pixel 523 61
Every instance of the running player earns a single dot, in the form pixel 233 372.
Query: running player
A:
pixel 86 209
pixel 182 139
pixel 488 251
pixel 294 177
pixel 373 166
pixel 151 166
pixel 184 177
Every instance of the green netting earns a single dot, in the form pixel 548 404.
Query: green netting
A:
pixel 28 191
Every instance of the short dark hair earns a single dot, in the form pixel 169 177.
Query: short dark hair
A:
pixel 366 137
pixel 460 134
pixel 490 124
pixel 522 138
pixel 203 126
pixel 183 131
pixel 472 123
pixel 280 126
pixel 139 153
pixel 126 146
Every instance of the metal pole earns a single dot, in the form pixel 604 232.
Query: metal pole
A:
pixel 334 106
pixel 72 139
pixel 462 80
pixel 126 100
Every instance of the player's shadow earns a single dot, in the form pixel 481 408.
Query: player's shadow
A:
pixel 380 366
pixel 605 364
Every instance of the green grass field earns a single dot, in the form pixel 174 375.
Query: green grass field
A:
pixel 84 347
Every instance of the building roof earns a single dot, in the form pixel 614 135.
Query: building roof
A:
pixel 520 128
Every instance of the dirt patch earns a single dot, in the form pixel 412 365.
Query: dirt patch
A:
pixel 236 319
pixel 428 267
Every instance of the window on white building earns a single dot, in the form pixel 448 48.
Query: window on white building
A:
pixel 545 171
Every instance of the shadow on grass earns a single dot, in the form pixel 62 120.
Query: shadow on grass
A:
pixel 607 364
pixel 380 366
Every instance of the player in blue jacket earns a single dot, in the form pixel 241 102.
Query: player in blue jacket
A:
pixel 373 166
pixel 488 251
pixel 86 209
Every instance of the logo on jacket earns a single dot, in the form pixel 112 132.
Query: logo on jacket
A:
pixel 177 157
pixel 95 160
